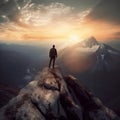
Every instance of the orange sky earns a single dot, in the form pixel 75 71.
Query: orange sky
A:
pixel 62 31
pixel 60 26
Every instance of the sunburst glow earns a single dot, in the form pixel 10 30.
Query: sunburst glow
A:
pixel 73 39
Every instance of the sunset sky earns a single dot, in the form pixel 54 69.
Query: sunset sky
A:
pixel 43 21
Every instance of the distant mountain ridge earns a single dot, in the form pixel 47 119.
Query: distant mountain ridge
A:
pixel 19 63
pixel 107 58
pixel 102 55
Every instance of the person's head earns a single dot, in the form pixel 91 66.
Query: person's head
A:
pixel 53 46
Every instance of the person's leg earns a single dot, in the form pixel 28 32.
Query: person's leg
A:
pixel 53 62
pixel 50 62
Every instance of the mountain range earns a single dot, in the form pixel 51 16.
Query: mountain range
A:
pixel 101 57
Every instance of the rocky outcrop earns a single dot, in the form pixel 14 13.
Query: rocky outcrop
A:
pixel 51 96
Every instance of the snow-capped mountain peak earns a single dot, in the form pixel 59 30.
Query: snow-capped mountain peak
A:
pixel 89 42
pixel 102 56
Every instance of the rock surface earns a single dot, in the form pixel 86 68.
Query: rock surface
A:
pixel 51 96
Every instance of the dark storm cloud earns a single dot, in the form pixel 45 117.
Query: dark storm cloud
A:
pixel 107 10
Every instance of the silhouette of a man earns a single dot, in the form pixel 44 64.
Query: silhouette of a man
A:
pixel 52 55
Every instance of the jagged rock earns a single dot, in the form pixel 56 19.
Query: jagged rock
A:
pixel 51 96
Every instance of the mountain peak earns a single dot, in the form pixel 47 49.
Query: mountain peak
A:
pixel 52 96
pixel 90 42
pixel 92 38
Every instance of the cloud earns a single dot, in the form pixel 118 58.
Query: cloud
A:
pixel 34 11
pixel 107 10
pixel 28 20
pixel 116 36
pixel 32 14
pixel 43 14
pixel 117 33
pixel 78 4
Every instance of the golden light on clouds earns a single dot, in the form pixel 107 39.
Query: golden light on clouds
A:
pixel 55 21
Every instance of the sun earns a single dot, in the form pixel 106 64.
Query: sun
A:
pixel 73 39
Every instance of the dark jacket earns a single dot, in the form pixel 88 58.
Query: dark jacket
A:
pixel 53 52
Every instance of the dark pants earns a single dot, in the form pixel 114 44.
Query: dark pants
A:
pixel 52 59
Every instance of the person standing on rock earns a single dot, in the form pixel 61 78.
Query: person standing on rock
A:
pixel 53 56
